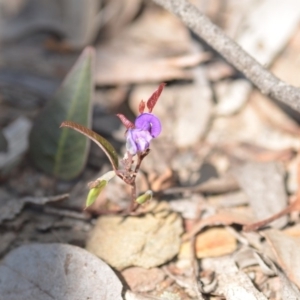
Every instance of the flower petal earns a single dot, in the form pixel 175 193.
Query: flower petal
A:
pixel 131 146
pixel 148 122
pixel 142 139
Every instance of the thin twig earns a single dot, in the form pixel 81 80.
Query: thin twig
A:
pixel 133 197
pixel 133 205
pixel 66 213
pixel 263 79
pixel 138 164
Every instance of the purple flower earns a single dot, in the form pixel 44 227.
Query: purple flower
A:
pixel 147 127
pixel 148 122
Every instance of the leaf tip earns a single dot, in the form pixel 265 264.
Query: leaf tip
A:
pixel 128 124
pixel 154 97
pixel 89 50
pixel 147 196
pixel 63 124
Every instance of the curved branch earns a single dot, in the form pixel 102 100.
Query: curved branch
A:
pixel 263 79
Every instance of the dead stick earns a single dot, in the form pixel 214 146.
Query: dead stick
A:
pixel 263 79
pixel 257 225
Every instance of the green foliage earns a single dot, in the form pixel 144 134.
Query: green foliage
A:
pixel 97 187
pixel 144 198
pixel 62 152
pixel 94 193
pixel 104 144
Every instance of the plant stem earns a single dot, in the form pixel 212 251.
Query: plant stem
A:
pixel 133 197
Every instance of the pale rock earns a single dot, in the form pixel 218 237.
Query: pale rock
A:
pixel 147 241
pixel 56 271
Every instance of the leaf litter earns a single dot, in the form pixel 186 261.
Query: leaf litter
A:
pixel 218 172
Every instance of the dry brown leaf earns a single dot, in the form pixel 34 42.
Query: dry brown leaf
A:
pixel 215 242
pixel 286 65
pixel 248 257
pixel 289 290
pixel 228 200
pixel 232 96
pixel 115 15
pixel 264 185
pixel 224 217
pixel 10 207
pixel 294 206
pixel 293 231
pixel 113 68
pixel 233 284
pixel 220 185
pixel 286 251
pixel 249 127
pixel 217 70
pixel 272 114
pixel 162 181
pixel 143 280
pixel 250 152
pixel 148 51
pixel 188 207
pixel 260 33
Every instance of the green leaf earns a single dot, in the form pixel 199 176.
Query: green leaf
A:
pixel 97 187
pixel 105 145
pixel 62 152
pixel 145 197
pixel 94 193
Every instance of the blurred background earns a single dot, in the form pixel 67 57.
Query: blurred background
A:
pixel 213 118
pixel 223 144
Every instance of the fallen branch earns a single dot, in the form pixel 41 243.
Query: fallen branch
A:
pixel 264 80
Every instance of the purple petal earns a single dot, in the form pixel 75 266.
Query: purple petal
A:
pixel 137 140
pixel 142 139
pixel 148 122
pixel 130 143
